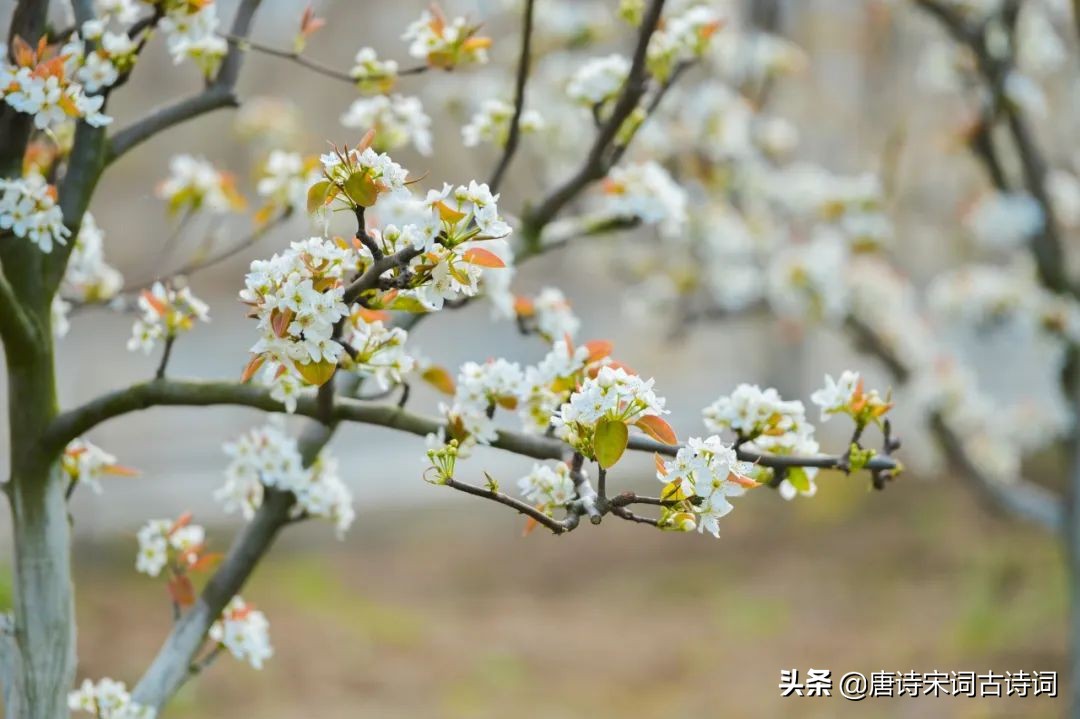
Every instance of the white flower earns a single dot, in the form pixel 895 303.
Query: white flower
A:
pixel 492 124
pixel 124 11
pixel 194 183
pixel 379 351
pixel 372 73
pixel 763 417
pixel 613 395
pixel 647 192
pixel 162 540
pixel 165 314
pixel 107 699
pixel 598 80
pixel 88 277
pixel 397 121
pixel 445 43
pixel 479 390
pixel 28 209
pixel 244 632
pixel 837 394
pixel 548 489
pixel 1005 221
pixel 285 179
pixel 268 457
pixel 554 316
pixel 86 463
pixel 296 320
pixel 195 36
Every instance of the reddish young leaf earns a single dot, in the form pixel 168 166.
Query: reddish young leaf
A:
pixel 661 469
pixel 182 590
pixel 252 367
pixel 484 258
pixel 598 349
pixel 657 428
pixel 439 378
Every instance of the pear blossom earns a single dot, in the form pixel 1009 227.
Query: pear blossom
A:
pixel 479 390
pixel 107 699
pixel 837 394
pixel 554 315
pixel 268 457
pixel 164 542
pixel 598 80
pixel 397 121
pixel 165 313
pixel 1005 221
pixel 191 32
pixel 645 191
pixel 445 43
pixel 88 277
pixel 708 470
pixel 244 632
pixel 548 384
pixel 377 351
pixel 194 183
pixel 492 124
pixel 285 178
pixel 612 395
pixel 371 73
pixel 29 210
pixel 548 488
pixel 86 463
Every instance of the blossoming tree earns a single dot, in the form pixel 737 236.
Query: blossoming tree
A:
pixel 731 224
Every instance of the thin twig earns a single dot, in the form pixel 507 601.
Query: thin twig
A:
pixel 514 134
pixel 554 525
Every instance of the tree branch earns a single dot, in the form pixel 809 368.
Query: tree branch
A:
pixel 170 668
pixel 177 393
pixel 597 163
pixel 16 327
pixel 556 526
pixel 218 94
pixel 514 135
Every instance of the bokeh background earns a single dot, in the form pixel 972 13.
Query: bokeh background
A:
pixel 434 605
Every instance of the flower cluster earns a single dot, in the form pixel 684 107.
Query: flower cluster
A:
pixel 88 277
pixel 268 457
pixel 846 395
pixel 163 543
pixel 445 44
pixel 682 39
pixel 28 209
pixel 397 121
pixel 480 389
pixel 377 351
pixel 549 384
pixel 191 32
pixel 492 124
pixel 698 482
pixel 613 397
pixel 86 463
pixel 244 631
pixel 285 178
pixel 548 488
pixel 763 421
pixel 1005 221
pixel 42 84
pixel 107 699
pixel 298 298
pixel 194 183
pixel 371 73
pixel 550 313
pixel 598 81
pixel 647 192
pixel 165 314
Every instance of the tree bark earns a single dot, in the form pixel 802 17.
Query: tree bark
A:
pixel 42 670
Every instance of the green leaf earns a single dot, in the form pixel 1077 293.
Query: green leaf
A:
pixel 317 194
pixel 799 479
pixel 609 442
pixel 361 189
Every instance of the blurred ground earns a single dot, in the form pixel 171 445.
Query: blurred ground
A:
pixel 450 613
